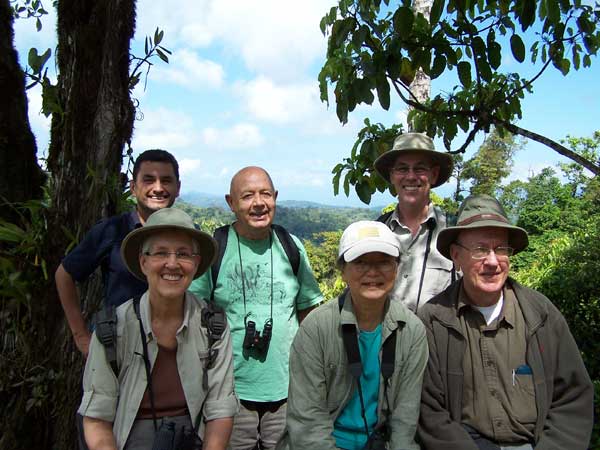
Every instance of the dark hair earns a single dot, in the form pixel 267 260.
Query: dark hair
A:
pixel 155 155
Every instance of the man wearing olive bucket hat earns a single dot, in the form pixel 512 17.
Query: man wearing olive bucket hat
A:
pixel 504 371
pixel 173 373
pixel 413 167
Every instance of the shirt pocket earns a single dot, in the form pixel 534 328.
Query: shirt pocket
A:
pixel 523 398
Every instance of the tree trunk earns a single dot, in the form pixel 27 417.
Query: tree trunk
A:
pixel 40 369
pixel 85 155
pixel 20 175
pixel 420 88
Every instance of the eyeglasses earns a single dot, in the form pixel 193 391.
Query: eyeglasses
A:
pixel 417 170
pixel 484 252
pixel 381 266
pixel 185 257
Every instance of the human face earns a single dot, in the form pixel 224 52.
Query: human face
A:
pixel 483 279
pixel 252 199
pixel 371 276
pixel 170 277
pixel 154 188
pixel 412 175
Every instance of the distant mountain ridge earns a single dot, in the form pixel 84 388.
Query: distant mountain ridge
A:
pixel 204 200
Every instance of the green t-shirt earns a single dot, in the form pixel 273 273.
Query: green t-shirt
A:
pixel 260 378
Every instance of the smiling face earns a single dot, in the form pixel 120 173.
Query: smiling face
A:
pixel 412 175
pixel 370 277
pixel 155 187
pixel 252 200
pixel 170 276
pixel 483 279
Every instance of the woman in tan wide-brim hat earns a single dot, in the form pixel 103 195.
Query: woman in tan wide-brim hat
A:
pixel 169 378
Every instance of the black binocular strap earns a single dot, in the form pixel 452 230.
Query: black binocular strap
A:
pixel 136 308
pixel 388 361
pixel 430 226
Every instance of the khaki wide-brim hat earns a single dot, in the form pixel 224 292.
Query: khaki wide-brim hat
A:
pixel 415 143
pixel 167 219
pixel 479 211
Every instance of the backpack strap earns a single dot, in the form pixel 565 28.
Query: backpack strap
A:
pixel 106 332
pixel 220 236
pixel 289 246
pixel 214 320
pixel 384 217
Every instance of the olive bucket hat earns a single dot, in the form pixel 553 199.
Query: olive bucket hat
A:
pixel 167 219
pixel 479 211
pixel 415 143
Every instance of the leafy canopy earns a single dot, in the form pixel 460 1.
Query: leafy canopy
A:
pixel 375 46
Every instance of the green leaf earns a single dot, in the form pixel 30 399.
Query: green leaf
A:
pixel 158 35
pixel 162 55
pixel 484 69
pixel 552 10
pixel 517 47
pixel 464 73
pixel 565 66
pixel 494 54
pixel 438 67
pixel 403 21
pixel 383 93
pixel 38 24
pixel 347 184
pixel 436 11
pixel 363 190
pixel 527 16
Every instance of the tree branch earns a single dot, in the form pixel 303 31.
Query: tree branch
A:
pixel 561 149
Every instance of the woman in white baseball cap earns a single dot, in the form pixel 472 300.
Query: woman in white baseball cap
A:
pixel 357 362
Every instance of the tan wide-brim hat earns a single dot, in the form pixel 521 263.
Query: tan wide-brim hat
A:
pixel 479 211
pixel 415 143
pixel 167 219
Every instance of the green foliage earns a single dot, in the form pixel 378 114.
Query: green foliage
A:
pixel 152 48
pixel 373 140
pixel 492 162
pixel 27 9
pixel 322 252
pixel 375 47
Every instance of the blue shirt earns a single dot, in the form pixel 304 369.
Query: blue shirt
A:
pixel 349 428
pixel 101 247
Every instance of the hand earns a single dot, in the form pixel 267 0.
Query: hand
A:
pixel 82 341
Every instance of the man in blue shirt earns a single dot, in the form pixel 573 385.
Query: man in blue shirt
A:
pixel 155 185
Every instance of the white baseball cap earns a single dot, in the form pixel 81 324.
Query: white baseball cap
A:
pixel 367 236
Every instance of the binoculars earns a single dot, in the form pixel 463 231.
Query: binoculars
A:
pixel 254 339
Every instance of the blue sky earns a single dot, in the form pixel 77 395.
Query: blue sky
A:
pixel 241 90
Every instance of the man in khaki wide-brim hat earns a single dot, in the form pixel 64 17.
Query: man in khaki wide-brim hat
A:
pixel 413 166
pixel 504 371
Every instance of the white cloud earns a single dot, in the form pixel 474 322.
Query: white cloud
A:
pixel 242 135
pixel 278 38
pixel 189 166
pixel 187 69
pixel 164 128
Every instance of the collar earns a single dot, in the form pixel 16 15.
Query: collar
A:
pixel 133 220
pixel 432 213
pixel 395 313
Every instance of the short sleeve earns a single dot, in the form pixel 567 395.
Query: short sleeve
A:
pixel 309 294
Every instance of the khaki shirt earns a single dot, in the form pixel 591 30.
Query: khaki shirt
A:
pixel 438 271
pixel 498 393
pixel 117 400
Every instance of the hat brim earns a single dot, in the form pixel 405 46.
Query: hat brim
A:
pixel 131 246
pixel 366 246
pixel 385 162
pixel 517 237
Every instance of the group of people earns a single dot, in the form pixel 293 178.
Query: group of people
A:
pixel 219 342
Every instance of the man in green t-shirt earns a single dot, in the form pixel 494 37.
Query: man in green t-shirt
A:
pixel 256 285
